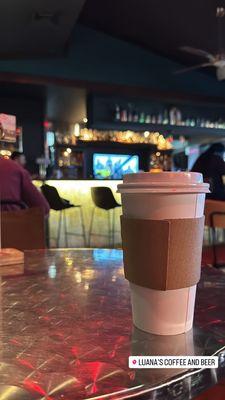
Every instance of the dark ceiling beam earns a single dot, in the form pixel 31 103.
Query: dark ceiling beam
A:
pixel 31 28
pixel 124 90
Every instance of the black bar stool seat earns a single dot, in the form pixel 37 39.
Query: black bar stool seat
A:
pixel 57 203
pixel 102 197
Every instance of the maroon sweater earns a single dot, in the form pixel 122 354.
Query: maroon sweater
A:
pixel 16 185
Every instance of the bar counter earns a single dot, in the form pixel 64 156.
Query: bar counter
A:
pixel 66 332
pixel 79 192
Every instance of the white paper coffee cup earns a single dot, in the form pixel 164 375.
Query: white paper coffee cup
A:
pixel 164 195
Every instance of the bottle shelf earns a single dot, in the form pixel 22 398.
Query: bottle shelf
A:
pixel 170 129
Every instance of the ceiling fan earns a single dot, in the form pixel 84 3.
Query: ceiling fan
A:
pixel 212 60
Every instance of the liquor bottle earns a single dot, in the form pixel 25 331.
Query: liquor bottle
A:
pixel 123 115
pixel 159 119
pixel 153 118
pixel 220 123
pixel 188 122
pixel 178 117
pixel 147 119
pixel 135 116
pixel 172 115
pixel 165 118
pixel 142 117
pixel 117 113
pixel 202 123
pixel 130 114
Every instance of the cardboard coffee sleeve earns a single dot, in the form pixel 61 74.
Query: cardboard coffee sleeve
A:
pixel 162 254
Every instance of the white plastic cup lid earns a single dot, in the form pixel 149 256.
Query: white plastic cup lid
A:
pixel 163 182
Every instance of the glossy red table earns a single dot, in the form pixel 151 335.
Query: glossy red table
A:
pixel 66 332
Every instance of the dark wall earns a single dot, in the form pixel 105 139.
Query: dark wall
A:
pixel 65 104
pixel 30 115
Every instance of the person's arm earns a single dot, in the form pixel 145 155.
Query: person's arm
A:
pixel 31 195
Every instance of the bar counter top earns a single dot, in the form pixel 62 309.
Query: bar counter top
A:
pixel 66 332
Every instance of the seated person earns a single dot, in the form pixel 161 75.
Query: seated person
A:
pixel 212 167
pixel 16 186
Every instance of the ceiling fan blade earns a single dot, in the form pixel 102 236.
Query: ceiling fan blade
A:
pixel 220 73
pixel 181 71
pixel 220 13
pixel 198 52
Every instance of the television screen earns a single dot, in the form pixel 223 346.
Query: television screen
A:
pixel 114 166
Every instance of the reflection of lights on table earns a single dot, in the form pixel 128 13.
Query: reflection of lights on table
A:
pixel 52 271
pixel 88 274
pixel 221 359
pixel 106 255
pixel 86 286
pixel 78 277
pixel 68 261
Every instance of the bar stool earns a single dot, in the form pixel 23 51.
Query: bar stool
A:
pixel 215 218
pixel 103 198
pixel 57 203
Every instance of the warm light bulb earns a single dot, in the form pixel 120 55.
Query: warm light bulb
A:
pixel 76 130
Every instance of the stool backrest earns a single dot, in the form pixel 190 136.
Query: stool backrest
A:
pixel 52 196
pixel 215 213
pixel 102 197
pixel 23 229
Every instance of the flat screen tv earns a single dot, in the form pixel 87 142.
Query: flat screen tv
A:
pixel 114 166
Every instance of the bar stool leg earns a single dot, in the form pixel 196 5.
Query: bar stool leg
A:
pixel 59 228
pixel 83 226
pixel 113 227
pixel 65 228
pixel 223 235
pixel 109 226
pixel 47 232
pixel 91 226
pixel 214 263
pixel 209 235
